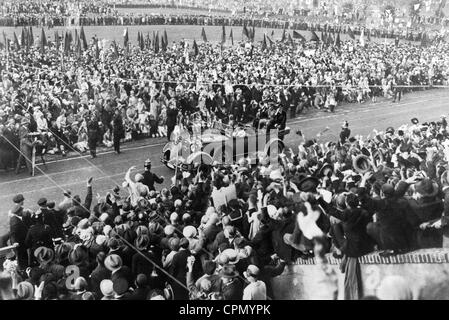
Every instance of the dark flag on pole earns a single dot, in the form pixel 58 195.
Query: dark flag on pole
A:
pixel 23 39
pixel 283 36
pixel 57 43
pixel 83 39
pixel 203 35
pixel 97 50
pixel 156 42
pixel 330 40
pixel 368 34
pixel 264 43
pixel 270 41
pixel 272 32
pixel 290 40
pixel 351 34
pixel 43 41
pixel 5 42
pixel 165 38
pixel 297 35
pixel 195 48
pixel 16 42
pixel 314 37
pixel 125 38
pixel 75 43
pixel 246 32
pixel 31 37
pixel 223 34
pixel 337 40
pixel 231 36
pixel 253 34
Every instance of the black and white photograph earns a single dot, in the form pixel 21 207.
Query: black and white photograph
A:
pixel 241 151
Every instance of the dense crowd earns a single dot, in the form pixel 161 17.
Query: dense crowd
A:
pixel 346 197
pixel 106 92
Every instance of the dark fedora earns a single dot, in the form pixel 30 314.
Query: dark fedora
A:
pixel 361 164
pixel 308 184
pixel 389 130
pixel 415 120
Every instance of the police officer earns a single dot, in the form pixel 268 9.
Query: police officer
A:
pixel 26 147
pixel 93 130
pixel 118 130
pixel 149 178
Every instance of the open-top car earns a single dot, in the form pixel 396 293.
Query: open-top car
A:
pixel 221 145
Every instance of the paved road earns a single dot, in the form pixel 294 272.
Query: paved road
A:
pixel 108 169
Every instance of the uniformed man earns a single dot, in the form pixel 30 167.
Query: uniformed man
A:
pixel 26 147
pixel 345 132
pixel 93 130
pixel 39 235
pixel 118 130
pixel 149 178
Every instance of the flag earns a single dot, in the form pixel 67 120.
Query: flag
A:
pixel 66 42
pixel 351 34
pixel 203 35
pixel 75 43
pixel 83 39
pixel 78 48
pixel 31 37
pixel 156 42
pixel 5 42
pixel 253 34
pixel 148 41
pixel 57 44
pixel 272 32
pixel 223 35
pixel 195 48
pixel 270 41
pixel 165 39
pixel 245 31
pixel 231 36
pixel 337 40
pixel 23 39
pixel 330 40
pixel 163 44
pixel 314 37
pixel 264 43
pixel 290 40
pixel 283 36
pixel 16 41
pixel 97 50
pixel 43 41
pixel 368 35
pixel 362 38
pixel 125 38
pixel 297 35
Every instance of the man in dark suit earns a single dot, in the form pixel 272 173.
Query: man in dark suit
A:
pixel 232 286
pixel 118 130
pixel 179 270
pixel 47 216
pixel 99 274
pixel 114 263
pixel 39 235
pixel 17 234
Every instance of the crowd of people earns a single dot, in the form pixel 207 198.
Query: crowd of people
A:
pixel 109 94
pixel 387 192
pixel 346 198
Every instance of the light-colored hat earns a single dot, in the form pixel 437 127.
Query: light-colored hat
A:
pixel 106 288
pixel 189 232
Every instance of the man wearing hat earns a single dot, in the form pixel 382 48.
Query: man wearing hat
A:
pixel 149 178
pixel 178 270
pixel 232 287
pixel 47 216
pixel 345 132
pixel 39 234
pixel 17 234
pixel 26 147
